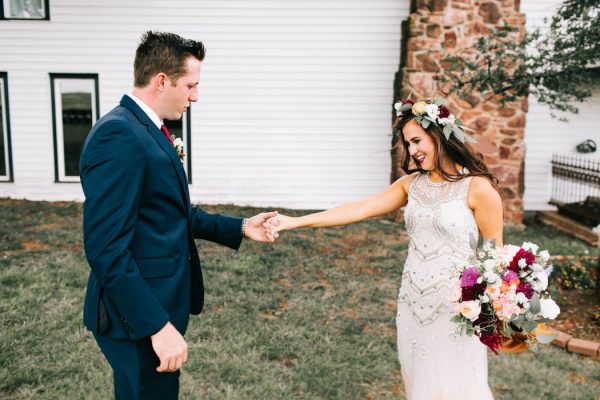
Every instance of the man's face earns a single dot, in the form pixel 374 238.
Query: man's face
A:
pixel 177 98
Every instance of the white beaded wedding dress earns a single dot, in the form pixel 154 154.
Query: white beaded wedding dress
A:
pixel 436 362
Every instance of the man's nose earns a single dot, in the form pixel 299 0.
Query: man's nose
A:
pixel 194 96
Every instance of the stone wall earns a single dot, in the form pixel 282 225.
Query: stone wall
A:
pixel 438 27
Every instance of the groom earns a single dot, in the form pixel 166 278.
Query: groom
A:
pixel 139 226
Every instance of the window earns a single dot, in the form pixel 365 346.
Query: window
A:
pixel 181 129
pixel 5 148
pixel 74 111
pixel 25 9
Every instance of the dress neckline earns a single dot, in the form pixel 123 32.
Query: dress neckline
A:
pixel 429 182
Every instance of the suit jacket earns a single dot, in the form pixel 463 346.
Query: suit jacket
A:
pixel 139 229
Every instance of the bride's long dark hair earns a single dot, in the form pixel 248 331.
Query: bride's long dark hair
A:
pixel 456 152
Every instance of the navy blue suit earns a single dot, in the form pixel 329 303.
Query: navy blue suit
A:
pixel 139 229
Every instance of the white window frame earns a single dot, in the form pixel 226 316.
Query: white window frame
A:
pixel 67 81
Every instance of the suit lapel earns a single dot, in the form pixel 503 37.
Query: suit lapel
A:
pixel 162 141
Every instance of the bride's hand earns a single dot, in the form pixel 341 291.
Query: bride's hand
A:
pixel 279 223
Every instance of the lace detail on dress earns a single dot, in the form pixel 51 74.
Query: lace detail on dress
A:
pixel 441 228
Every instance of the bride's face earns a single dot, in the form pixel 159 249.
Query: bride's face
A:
pixel 421 146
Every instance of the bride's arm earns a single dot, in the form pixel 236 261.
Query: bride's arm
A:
pixel 394 197
pixel 486 204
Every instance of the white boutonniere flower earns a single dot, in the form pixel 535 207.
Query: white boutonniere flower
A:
pixel 178 145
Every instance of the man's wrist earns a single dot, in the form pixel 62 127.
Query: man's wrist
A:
pixel 244 222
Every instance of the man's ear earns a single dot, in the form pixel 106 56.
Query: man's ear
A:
pixel 160 81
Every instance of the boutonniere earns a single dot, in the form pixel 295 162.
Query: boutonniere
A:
pixel 178 146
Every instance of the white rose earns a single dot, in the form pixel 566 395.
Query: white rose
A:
pixel 545 256
pixel 433 111
pixel 532 247
pixel 539 281
pixel 491 277
pixel 507 253
pixel 522 263
pixel 549 308
pixel 178 142
pixel 470 309
pixel 535 267
pixel 397 106
pixel 521 298
pixel 489 265
pixel 450 120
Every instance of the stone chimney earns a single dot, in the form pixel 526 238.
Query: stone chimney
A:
pixel 438 27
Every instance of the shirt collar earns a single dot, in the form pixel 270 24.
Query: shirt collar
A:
pixel 149 112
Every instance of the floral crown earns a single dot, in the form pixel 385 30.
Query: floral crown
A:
pixel 428 111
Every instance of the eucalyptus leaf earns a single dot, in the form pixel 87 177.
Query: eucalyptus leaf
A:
pixel 425 123
pixel 447 130
pixel 470 139
pixel 460 135
pixel 457 318
pixel 545 338
pixel 472 238
pixel 405 107
pixel 440 102
pixel 529 326
pixel 534 304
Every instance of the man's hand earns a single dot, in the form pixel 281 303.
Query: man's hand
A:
pixel 170 347
pixel 255 227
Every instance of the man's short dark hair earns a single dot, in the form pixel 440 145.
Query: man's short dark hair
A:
pixel 163 52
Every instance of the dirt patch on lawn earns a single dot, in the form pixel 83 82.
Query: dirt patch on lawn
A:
pixel 578 309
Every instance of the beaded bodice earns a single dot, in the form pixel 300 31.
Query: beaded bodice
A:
pixel 442 230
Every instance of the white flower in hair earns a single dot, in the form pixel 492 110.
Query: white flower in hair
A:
pixel 432 111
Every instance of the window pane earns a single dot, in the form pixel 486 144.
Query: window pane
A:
pixel 3 155
pixel 77 122
pixel 33 9
pixel 175 127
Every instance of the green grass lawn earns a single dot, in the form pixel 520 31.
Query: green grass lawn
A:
pixel 311 317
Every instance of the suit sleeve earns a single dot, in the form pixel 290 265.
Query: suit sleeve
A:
pixel 218 228
pixel 112 173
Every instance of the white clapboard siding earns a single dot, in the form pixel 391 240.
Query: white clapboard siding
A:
pixel 545 135
pixel 295 95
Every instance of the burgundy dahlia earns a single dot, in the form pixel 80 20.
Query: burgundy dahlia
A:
pixel 444 112
pixel 473 292
pixel 492 340
pixel 526 289
pixel 408 101
pixel 527 255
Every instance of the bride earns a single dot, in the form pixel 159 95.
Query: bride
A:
pixel 451 199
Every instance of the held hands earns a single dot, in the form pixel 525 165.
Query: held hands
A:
pixel 170 347
pixel 279 223
pixel 255 228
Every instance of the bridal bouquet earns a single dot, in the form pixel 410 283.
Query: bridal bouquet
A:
pixel 503 293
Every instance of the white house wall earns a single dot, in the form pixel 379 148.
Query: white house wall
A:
pixel 295 95
pixel 545 135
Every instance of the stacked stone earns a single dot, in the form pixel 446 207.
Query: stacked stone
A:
pixel 447 27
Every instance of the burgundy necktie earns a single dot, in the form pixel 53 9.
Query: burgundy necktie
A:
pixel 166 133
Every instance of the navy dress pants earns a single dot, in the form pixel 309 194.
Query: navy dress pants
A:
pixel 134 365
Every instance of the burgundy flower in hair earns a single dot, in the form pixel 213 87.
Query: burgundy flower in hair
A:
pixel 408 101
pixel 444 112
